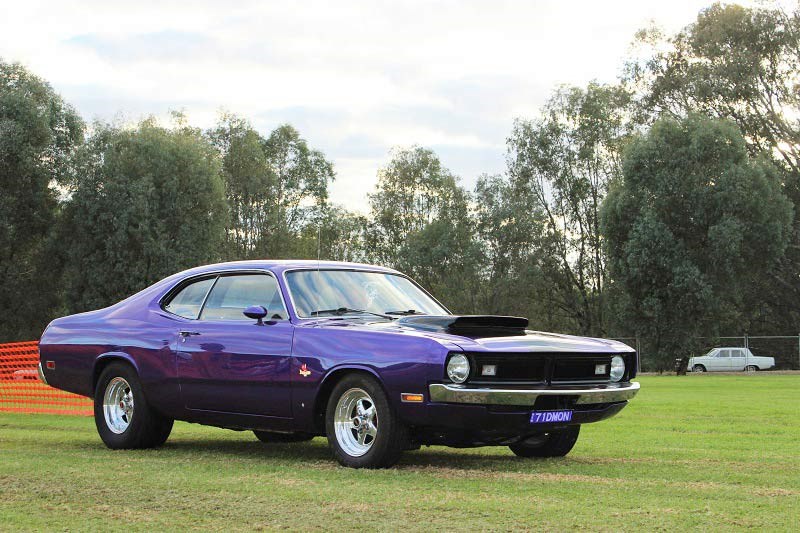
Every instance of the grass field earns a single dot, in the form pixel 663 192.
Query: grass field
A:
pixel 711 452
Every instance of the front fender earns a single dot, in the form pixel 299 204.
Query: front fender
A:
pixel 337 370
pixel 330 379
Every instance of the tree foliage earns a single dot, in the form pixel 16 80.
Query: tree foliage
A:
pixel 333 233
pixel 560 166
pixel 733 62
pixel 248 181
pixel 273 186
pixel 38 135
pixel 145 203
pixel 509 231
pixel 690 224
pixel 420 223
pixel 742 64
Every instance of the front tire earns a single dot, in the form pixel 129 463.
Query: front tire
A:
pixel 698 368
pixel 363 430
pixel 751 368
pixel 553 444
pixel 122 415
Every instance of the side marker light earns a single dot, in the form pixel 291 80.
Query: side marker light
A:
pixel 410 397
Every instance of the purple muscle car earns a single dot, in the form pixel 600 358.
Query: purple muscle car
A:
pixel 361 354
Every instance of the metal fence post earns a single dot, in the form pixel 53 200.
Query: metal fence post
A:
pixel 746 351
pixel 638 355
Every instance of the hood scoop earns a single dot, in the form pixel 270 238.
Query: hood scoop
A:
pixel 468 325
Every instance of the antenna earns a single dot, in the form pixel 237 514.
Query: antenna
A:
pixel 319 243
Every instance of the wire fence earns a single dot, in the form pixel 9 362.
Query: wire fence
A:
pixel 21 391
pixel 785 349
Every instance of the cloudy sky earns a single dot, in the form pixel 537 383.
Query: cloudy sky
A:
pixel 356 78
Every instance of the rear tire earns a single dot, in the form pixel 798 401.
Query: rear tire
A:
pixel 122 415
pixel 275 437
pixel 363 429
pixel 556 444
pixel 698 368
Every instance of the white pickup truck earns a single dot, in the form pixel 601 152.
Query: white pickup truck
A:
pixel 730 360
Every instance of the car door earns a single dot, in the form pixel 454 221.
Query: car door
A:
pixel 721 362
pixel 227 362
pixel 738 359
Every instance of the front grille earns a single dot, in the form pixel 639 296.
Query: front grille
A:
pixel 581 368
pixel 543 368
pixel 509 367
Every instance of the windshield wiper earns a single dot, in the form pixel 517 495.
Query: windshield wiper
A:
pixel 409 312
pixel 344 311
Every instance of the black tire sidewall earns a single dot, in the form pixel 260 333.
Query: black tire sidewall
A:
pixel 559 444
pixel 140 431
pixel 392 435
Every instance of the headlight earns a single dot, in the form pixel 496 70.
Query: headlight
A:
pixel 617 368
pixel 458 368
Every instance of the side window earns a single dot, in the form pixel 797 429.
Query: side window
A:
pixel 188 301
pixel 737 353
pixel 724 353
pixel 233 294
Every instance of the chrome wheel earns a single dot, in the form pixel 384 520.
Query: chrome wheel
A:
pixel 356 422
pixel 118 405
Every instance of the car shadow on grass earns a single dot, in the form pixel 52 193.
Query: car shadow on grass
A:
pixel 317 451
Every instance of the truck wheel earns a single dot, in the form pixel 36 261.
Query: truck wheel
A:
pixel 122 415
pixel 552 444
pixel 698 368
pixel 363 430
pixel 274 436
pixel 751 368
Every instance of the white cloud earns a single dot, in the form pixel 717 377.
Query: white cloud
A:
pixel 356 78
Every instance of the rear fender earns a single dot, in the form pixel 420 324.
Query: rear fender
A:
pixel 103 360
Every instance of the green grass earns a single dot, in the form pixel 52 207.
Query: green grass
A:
pixel 711 452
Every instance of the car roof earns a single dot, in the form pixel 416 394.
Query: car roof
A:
pixel 281 265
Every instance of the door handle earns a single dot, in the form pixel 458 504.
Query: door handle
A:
pixel 184 334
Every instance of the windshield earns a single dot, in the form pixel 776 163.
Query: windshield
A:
pixel 321 292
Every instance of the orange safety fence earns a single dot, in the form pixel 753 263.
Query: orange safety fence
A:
pixel 21 391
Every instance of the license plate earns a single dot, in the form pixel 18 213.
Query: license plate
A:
pixel 549 417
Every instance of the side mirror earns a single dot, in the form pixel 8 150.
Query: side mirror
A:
pixel 256 311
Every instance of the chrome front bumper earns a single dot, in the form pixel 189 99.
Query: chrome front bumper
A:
pixel 606 393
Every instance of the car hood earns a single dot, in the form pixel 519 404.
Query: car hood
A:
pixel 482 333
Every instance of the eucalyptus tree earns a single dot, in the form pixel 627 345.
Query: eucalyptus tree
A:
pixel 739 63
pixel 273 185
pixel 693 221
pixel 560 166
pixel 742 64
pixel 145 202
pixel 332 233
pixel 249 186
pixel 420 223
pixel 38 135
